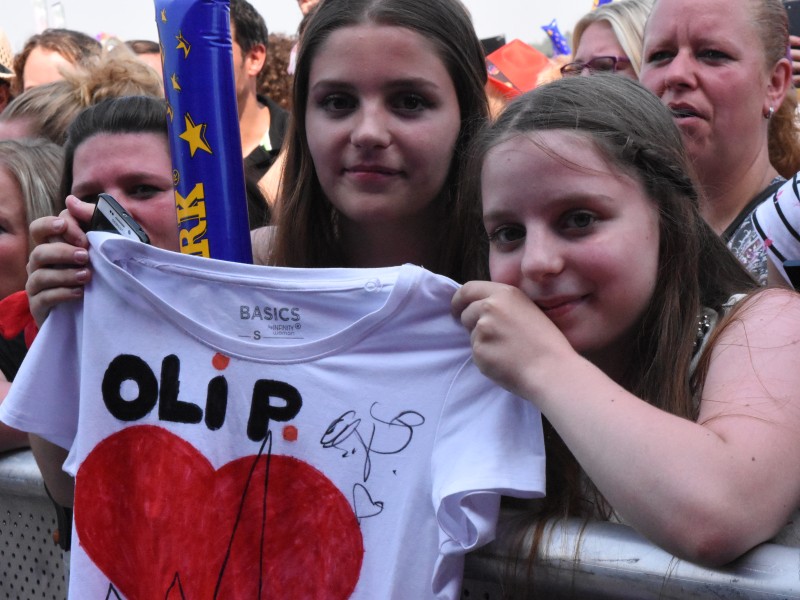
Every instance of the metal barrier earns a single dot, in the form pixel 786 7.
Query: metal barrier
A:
pixel 31 565
pixel 611 561
pixel 608 560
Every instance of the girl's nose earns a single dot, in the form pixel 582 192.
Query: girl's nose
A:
pixel 371 127
pixel 542 257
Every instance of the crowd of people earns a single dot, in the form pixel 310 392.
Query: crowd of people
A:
pixel 615 247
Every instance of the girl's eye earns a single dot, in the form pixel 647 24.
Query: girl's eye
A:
pixel 337 103
pixel 410 102
pixel 579 220
pixel 506 235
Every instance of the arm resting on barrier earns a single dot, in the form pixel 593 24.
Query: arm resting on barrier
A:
pixel 705 491
pixel 602 560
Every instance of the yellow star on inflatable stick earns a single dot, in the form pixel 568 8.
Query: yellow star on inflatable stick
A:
pixel 195 135
pixel 163 15
pixel 175 85
pixel 170 112
pixel 183 44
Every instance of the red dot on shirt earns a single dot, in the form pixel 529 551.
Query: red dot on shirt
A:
pixel 220 361
pixel 290 433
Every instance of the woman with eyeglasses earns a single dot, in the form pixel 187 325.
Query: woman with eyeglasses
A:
pixel 609 39
pixel 721 67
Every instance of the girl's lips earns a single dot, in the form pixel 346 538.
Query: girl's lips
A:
pixel 371 175
pixel 371 170
pixel 558 307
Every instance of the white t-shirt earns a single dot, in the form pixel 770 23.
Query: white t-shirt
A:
pixel 302 432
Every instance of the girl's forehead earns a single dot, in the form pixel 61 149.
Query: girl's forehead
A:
pixel 362 40
pixel 559 144
pixel 556 154
pixel 378 59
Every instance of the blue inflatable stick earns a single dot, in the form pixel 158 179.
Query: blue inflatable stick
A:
pixel 208 170
pixel 560 45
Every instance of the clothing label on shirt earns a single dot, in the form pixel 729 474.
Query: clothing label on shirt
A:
pixel 270 321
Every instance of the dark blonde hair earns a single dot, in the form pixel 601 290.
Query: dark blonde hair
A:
pixel 36 165
pixel 632 129
pixel 772 25
pixel 307 235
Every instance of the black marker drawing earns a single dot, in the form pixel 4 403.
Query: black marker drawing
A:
pixel 384 436
pixel 363 504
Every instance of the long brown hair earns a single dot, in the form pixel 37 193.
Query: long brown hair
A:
pixel 306 233
pixel 635 132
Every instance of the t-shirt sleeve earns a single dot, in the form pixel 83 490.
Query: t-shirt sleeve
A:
pixel 44 396
pixel 489 443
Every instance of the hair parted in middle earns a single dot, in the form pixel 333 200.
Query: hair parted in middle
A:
pixel 306 233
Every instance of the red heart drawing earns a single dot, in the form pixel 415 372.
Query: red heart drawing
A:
pixel 160 522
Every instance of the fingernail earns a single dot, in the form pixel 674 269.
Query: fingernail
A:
pixel 58 224
pixel 82 276
pixel 78 291
pixel 81 256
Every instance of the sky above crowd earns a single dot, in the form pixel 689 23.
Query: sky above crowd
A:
pixel 135 19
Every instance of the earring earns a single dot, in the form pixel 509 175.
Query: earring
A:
pixel 769 114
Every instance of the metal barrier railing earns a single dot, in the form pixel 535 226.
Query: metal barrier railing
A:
pixel 610 561
pixel 606 560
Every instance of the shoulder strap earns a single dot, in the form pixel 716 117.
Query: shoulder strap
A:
pixel 750 207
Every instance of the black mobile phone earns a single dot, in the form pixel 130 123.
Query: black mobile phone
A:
pixel 793 11
pixel 110 216
pixel 792 269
